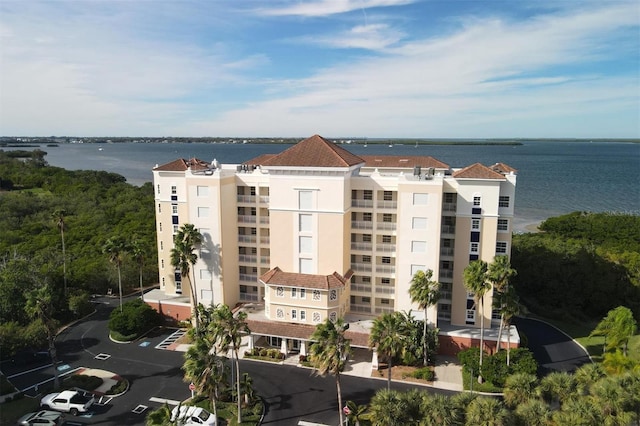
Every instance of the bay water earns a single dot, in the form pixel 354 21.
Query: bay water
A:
pixel 554 177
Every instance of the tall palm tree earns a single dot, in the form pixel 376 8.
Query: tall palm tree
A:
pixel 330 351
pixel 387 337
pixel 475 281
pixel 183 258
pixel 425 292
pixel 500 274
pixel 39 307
pixel 508 305
pixel 439 410
pixel 205 370
pixel 139 253
pixel 115 248
pixel 58 217
pixel 228 330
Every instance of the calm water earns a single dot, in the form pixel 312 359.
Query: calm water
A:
pixel 553 177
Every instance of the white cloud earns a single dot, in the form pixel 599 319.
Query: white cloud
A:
pixel 371 37
pixel 330 7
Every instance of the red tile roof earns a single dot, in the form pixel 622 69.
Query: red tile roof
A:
pixel 180 165
pixel 477 171
pixel 397 161
pixel 503 168
pixel 315 151
pixel 289 279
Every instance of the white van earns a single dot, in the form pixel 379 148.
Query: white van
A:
pixel 185 415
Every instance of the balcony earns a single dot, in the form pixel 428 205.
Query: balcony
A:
pixel 264 199
pixel 364 288
pixel 445 295
pixel 447 251
pixel 359 224
pixel 446 274
pixel 246 219
pixel 264 240
pixel 386 269
pixel 264 220
pixel 247 239
pixel 247 278
pixel 386 226
pixel 251 199
pixel 361 246
pixel 367 204
pixel 361 267
pixel 448 229
pixel 445 316
pixel 387 205
pixel 248 258
pixel 249 297
pixel 360 308
pixel 449 207
pixel 385 310
pixel 385 289
pixel 264 260
pixel 386 248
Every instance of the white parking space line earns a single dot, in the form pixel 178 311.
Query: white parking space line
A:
pixel 139 409
pixel 163 401
pixel 29 371
pixel 102 357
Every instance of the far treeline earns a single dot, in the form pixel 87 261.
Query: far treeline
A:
pixel 580 266
pixel 42 206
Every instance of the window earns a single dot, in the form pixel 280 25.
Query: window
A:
pixel 160 226
pixel 366 217
pixel 384 301
pixel 202 191
pixel 416 268
pixel 306 266
pixel 386 239
pixel 476 201
pixel 368 194
pixel 158 189
pixel 303 293
pixel 159 208
pixel 366 280
pixel 366 259
pixel 366 300
pixel 387 217
pixel 305 223
pixel 203 211
pixel 316 295
pixel 501 247
pixel 419 223
pixel 305 200
pixel 503 224
pixel 333 316
pixel 385 281
pixel 174 190
pixel 252 190
pixel 449 197
pixel 316 317
pixel 161 245
pixel 175 229
pixel 386 260
pixel 175 220
pixel 205 274
pixel 174 209
pixel 303 315
pixel 280 291
pixel 253 231
pixel 306 244
pixel 471 316
pixel 418 246
pixel 162 263
pixel 474 247
pixel 366 238
pixel 294 293
pixel 333 295
pixel 280 313
pixel 503 201
pixel 387 196
pixel 294 314
pixel 420 199
pixel 475 223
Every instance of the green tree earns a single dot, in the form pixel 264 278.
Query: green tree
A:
pixel 160 417
pixel 388 337
pixel 617 327
pixel 40 307
pixel 389 408
pixel 484 411
pixel 139 254
pixel 499 274
pixel 508 305
pixel 533 412
pixel 58 217
pixel 425 292
pixel 330 351
pixel 519 388
pixel 476 281
pixel 558 387
pixel 439 410
pixel 357 413
pixel 183 258
pixel 115 248
pixel 205 370
pixel 227 330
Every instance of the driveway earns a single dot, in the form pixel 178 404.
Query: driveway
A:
pixel 554 350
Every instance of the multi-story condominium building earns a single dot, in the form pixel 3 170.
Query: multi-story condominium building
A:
pixel 317 232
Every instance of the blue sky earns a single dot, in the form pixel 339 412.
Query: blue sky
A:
pixel 339 68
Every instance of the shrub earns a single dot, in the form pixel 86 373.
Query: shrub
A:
pixel 80 305
pixel 136 318
pixel 424 373
pixel 83 381
pixel 263 352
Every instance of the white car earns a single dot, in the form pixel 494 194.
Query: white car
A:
pixel 44 418
pixel 185 415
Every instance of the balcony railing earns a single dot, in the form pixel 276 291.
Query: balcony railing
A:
pixel 448 229
pixel 385 310
pixel 360 224
pixel 246 219
pixel 361 246
pixel 446 316
pixel 385 289
pixel 387 226
pixel 247 238
pixel 449 207
pixel 446 273
pixel 360 308
pixel 387 204
pixel 249 297
pixel 247 278
pixel 386 248
pixel 362 203
pixel 386 269
pixel 445 295
pixel 248 258
pixel 365 288
pixel 264 220
pixel 246 198
pixel 264 260
pixel 447 251
pixel 264 240
pixel 264 199
pixel 361 267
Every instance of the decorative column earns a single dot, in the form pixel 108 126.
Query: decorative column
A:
pixel 374 360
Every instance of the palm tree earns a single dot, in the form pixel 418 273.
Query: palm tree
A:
pixel 508 304
pixel 139 252
pixel 330 351
pixel 612 400
pixel 205 370
pixel 227 331
pixel 500 274
pixel 519 388
pixel 578 412
pixel 388 408
pixel 183 258
pixel 58 217
pixel 356 412
pixel 617 327
pixel 533 412
pixel 558 386
pixel 387 337
pixel 475 281
pixel 39 307
pixel 485 411
pixel 587 375
pixel 160 417
pixel 115 248
pixel 440 410
pixel 425 292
